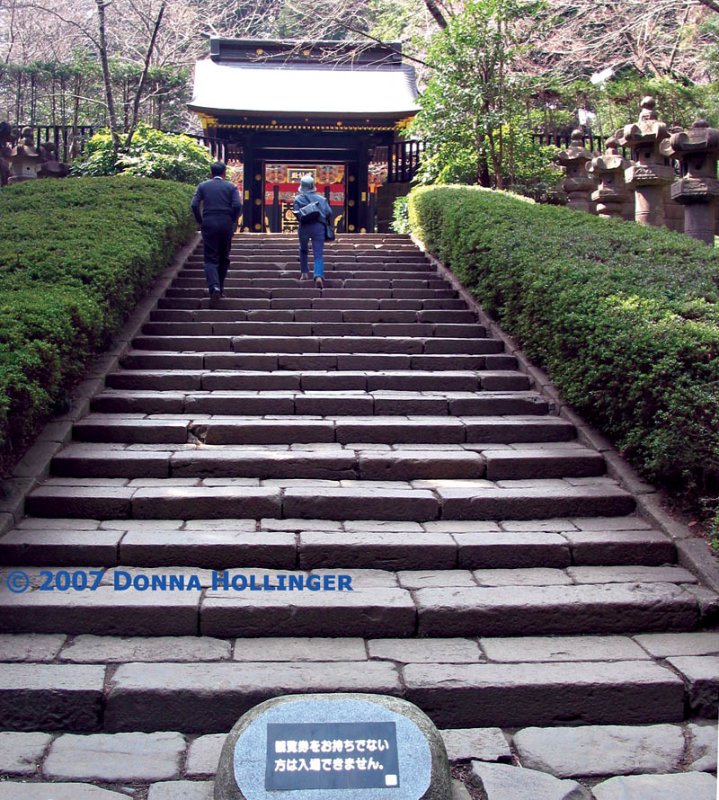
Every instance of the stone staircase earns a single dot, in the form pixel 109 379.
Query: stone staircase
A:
pixel 369 434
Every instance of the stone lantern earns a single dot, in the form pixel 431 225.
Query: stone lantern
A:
pixel 649 175
pixel 698 150
pixel 611 196
pixel 577 184
pixel 24 159
pixel 50 166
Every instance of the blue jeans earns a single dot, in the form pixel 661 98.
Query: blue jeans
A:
pixel 316 232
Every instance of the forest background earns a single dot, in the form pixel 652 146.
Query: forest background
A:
pixel 490 72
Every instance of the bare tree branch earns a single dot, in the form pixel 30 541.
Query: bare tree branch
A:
pixel 143 78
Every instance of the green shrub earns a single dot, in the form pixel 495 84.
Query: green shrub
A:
pixel 623 317
pixel 152 154
pixel 714 533
pixel 75 257
pixel 400 221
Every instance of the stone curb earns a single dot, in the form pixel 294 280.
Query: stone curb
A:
pixel 692 552
pixel 34 466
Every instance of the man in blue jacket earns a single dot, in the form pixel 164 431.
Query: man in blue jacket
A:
pixel 221 209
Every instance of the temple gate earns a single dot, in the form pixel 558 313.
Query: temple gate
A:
pixel 286 108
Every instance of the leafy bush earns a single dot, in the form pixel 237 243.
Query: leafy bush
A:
pixel 151 154
pixel 75 257
pixel 400 221
pixel 623 317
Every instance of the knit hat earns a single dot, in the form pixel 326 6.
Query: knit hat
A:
pixel 307 184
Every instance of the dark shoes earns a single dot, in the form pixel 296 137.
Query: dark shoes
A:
pixel 215 296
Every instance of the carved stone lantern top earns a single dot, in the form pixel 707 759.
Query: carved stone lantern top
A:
pixel 697 148
pixel 574 160
pixel 576 155
pixel 645 138
pixel 25 146
pixel 645 135
pixel 611 161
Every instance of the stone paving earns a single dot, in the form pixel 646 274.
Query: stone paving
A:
pixel 376 433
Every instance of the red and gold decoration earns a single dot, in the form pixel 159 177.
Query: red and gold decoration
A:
pixel 286 179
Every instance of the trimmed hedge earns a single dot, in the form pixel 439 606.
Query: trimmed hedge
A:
pixel 75 257
pixel 623 317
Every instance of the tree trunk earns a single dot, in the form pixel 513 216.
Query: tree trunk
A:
pixel 74 144
pixel 436 13
pixel 107 80
pixel 143 77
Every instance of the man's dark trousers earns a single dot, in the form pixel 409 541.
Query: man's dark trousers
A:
pixel 217 231
pixel 221 209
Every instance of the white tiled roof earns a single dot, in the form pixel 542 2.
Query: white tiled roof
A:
pixel 296 89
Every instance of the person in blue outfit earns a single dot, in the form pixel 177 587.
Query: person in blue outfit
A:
pixel 314 215
pixel 221 209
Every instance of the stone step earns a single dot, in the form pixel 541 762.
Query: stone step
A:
pixel 336 271
pixel 334 464
pixel 289 261
pixel 312 380
pixel 270 361
pixel 305 289
pixel 420 500
pixel 386 254
pixel 380 402
pixel 449 557
pixel 507 553
pixel 236 285
pixel 202 698
pixel 304 343
pixel 92 649
pixel 292 279
pixel 219 430
pixel 260 327
pixel 256 602
pixel 319 302
pixel 304 315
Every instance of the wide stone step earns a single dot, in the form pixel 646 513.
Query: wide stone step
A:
pixel 420 500
pixel 288 260
pixel 259 327
pixel 507 553
pixel 264 281
pixel 266 342
pixel 254 602
pixel 361 316
pixel 452 557
pixel 158 429
pixel 270 361
pixel 232 378
pixel 204 698
pixel 337 272
pixel 335 464
pixel 339 268
pixel 381 402
pixel 305 289
pixel 318 302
